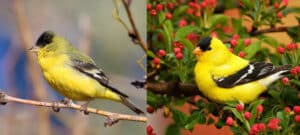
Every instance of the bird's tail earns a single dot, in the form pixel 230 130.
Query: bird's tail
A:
pixel 130 105
pixel 284 69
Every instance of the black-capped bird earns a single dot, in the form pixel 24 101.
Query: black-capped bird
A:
pixel 73 74
pixel 222 76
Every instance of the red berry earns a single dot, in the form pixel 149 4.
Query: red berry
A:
pixel 150 109
pixel 159 7
pixel 241 54
pixel 148 6
pixel 291 46
pixel 297 118
pixel 182 23
pixel 285 80
pixel 276 5
pixel 191 36
pixel 203 4
pixel 170 5
pixel 233 42
pixel 197 14
pixel 179 56
pixel 261 126
pixel 239 107
pixel 190 11
pixel 294 71
pixel 156 61
pixel 149 129
pixel 236 36
pixel 231 50
pixel 287 109
pixel 285 2
pixel 297 68
pixel 247 41
pixel 279 15
pixel 214 34
pixel 153 12
pixel 161 53
pixel 274 124
pixel 296 109
pixel 169 16
pixel 280 50
pixel 177 50
pixel 247 115
pixel 259 109
pixel 229 121
pixel 255 129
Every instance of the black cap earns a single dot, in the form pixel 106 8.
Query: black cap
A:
pixel 45 39
pixel 204 44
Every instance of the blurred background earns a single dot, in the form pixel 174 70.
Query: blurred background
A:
pixel 89 26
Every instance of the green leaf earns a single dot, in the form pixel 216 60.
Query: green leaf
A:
pixel 253 107
pixel 210 121
pixel 193 120
pixel 173 129
pixel 269 40
pixel 237 24
pixel 161 17
pixel 180 10
pixel 290 10
pixel 218 19
pixel 252 49
pixel 184 31
pixel 154 100
pixel 151 54
pixel 248 4
pixel 297 82
pixel 219 124
pixel 179 117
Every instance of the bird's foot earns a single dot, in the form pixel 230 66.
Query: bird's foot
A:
pixel 2 98
pixel 55 106
pixel 111 120
pixel 84 107
pixel 67 102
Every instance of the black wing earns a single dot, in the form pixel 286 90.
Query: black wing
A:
pixel 93 71
pixel 254 71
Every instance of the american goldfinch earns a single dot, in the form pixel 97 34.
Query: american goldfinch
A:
pixel 222 76
pixel 73 74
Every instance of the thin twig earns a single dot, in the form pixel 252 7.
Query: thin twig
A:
pixel 270 30
pixel 135 34
pixel 114 117
pixel 173 88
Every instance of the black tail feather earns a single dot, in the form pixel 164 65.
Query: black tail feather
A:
pixel 131 106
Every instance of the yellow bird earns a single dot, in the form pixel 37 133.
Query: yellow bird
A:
pixel 73 74
pixel 222 76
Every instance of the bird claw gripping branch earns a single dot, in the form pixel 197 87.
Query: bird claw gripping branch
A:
pixel 2 98
pixel 111 120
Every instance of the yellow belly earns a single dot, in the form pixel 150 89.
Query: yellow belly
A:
pixel 71 83
pixel 244 93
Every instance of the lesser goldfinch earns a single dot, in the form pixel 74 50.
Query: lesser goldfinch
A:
pixel 73 74
pixel 222 76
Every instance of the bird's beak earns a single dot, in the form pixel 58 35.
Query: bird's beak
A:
pixel 33 49
pixel 197 51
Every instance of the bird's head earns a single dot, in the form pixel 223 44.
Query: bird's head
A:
pixel 48 42
pixel 210 49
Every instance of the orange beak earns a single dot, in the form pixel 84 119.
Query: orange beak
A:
pixel 197 51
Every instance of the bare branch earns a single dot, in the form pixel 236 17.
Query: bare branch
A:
pixel 173 88
pixel 270 30
pixel 135 35
pixel 111 117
